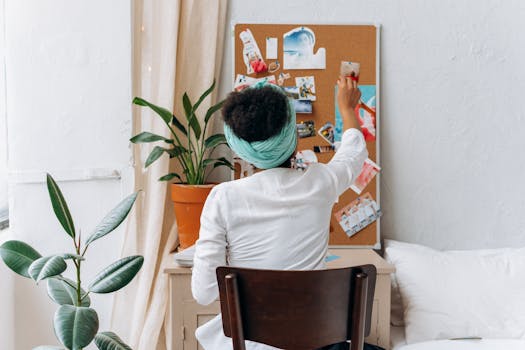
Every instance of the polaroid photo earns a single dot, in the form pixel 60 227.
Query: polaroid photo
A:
pixel 370 170
pixel 349 69
pixel 298 47
pixel 306 87
pixel 303 159
pixel 327 133
pixel 302 106
pixel 306 129
pixel 358 214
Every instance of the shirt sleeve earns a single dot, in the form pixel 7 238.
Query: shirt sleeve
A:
pixel 210 251
pixel 347 163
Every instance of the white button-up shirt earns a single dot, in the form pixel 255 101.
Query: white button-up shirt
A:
pixel 276 219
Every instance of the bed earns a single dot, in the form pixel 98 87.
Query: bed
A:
pixel 457 300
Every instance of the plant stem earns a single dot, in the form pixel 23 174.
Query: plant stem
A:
pixel 77 266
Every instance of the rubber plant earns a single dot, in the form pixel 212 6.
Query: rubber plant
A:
pixel 75 322
pixel 194 150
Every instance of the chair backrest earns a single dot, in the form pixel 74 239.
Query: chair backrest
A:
pixel 297 309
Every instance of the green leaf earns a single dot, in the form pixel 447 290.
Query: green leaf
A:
pixel 63 294
pixel 162 112
pixel 145 136
pixel 214 140
pixel 67 256
pixel 204 95
pixel 60 206
pixel 175 151
pixel 110 341
pixel 48 347
pixel 75 327
pixel 211 111
pixel 190 115
pixel 223 162
pixel 170 176
pixel 154 155
pixel 113 219
pixel 46 267
pixel 175 121
pixel 117 275
pixel 18 256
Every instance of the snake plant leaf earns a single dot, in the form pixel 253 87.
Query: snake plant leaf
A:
pixel 60 206
pixel 154 155
pixel 113 219
pixel 117 275
pixel 67 256
pixel 18 256
pixel 63 293
pixel 214 140
pixel 190 115
pixel 204 95
pixel 170 176
pixel 145 137
pixel 46 267
pixel 110 341
pixel 175 121
pixel 162 112
pixel 75 327
pixel 48 347
pixel 211 111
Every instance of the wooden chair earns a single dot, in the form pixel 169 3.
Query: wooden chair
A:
pixel 298 310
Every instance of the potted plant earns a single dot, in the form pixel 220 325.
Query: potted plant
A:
pixel 193 149
pixel 75 322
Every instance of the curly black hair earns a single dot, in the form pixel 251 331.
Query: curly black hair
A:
pixel 256 114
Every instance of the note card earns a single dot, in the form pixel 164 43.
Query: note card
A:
pixel 271 48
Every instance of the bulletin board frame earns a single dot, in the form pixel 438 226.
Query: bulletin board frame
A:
pixel 374 229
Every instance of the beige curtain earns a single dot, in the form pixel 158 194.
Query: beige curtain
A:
pixel 177 48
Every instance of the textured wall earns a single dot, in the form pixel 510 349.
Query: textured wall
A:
pixel 68 98
pixel 453 124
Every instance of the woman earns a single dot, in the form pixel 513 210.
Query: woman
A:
pixel 277 218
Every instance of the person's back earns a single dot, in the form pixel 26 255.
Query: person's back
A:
pixel 278 218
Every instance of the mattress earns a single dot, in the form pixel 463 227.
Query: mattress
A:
pixel 397 339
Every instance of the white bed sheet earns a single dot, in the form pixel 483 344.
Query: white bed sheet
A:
pixel 397 339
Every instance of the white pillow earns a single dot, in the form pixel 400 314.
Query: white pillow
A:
pixel 457 294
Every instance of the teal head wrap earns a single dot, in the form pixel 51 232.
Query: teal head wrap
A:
pixel 271 152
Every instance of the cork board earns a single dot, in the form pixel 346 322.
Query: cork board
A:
pixel 357 43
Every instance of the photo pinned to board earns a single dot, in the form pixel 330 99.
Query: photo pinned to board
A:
pixel 243 81
pixel 302 106
pixel 298 47
pixel 365 112
pixel 306 129
pixel 327 133
pixel 303 159
pixel 251 53
pixel 306 87
pixel 350 69
pixel 271 48
pixel 370 170
pixel 358 214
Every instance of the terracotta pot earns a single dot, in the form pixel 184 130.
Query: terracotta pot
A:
pixel 188 201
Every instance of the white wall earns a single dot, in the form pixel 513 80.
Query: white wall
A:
pixel 452 118
pixel 69 113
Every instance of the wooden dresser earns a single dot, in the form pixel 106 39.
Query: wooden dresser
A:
pixel 185 315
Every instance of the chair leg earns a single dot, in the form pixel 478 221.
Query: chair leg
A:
pixel 359 312
pixel 234 309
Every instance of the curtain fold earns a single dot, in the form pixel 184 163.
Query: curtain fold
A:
pixel 177 48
